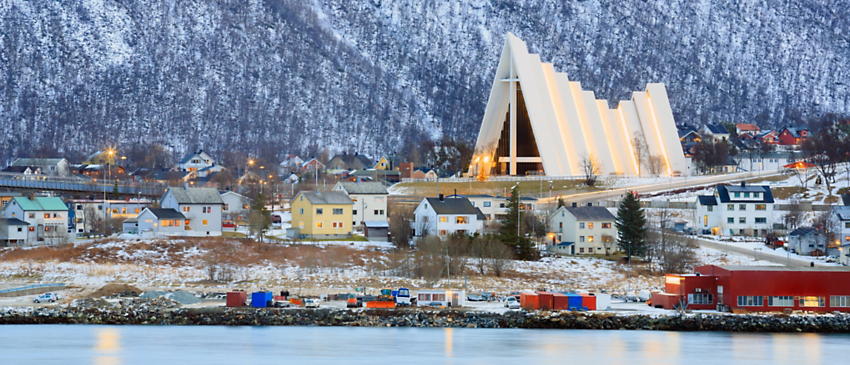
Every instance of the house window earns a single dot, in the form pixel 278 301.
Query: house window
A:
pixel 811 301
pixel 354 212
pixel 750 301
pixel 589 238
pixel 79 207
pixel 204 222
pixel 581 225
pixel 746 195
pixel 705 221
pixel 301 225
pixel 99 207
pixel 606 238
pixel 761 207
pixel 443 219
pixel 730 207
pixel 32 229
pixel 137 210
pixel 20 229
pixel 301 198
pixel 581 238
pixel 301 211
pixel 761 220
pixel 319 211
pixel 780 301
pixel 756 195
pixel 839 301
pixel 32 215
pixel 501 205
pixel 376 212
pixel 486 204
pixel 115 211
pixel 337 211
pixel 700 299
pixel 742 207
pixel 847 225
pixel 46 215
pixel 737 195
pixel 742 220
pixel 590 250
pixel 606 225
pixel 186 208
pixel 590 225
pixel 561 225
pixel 123 210
pixel 730 220
pixel 709 208
pixel 442 232
pixel 461 219
pixel 203 209
pixel 186 222
pixel 381 212
pixel 318 224
pixel 581 250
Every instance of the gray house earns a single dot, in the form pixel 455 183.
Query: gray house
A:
pixel 48 166
pixel 807 241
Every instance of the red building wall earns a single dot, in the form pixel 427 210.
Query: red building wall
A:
pixel 785 138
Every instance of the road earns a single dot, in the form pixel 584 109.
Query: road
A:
pixel 652 188
pixel 722 246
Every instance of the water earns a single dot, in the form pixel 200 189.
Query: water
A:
pixel 73 344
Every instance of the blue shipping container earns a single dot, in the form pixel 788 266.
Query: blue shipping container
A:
pixel 574 301
pixel 259 299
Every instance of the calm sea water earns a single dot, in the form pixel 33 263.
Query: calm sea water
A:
pixel 79 344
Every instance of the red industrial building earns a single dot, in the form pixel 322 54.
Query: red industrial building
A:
pixel 758 289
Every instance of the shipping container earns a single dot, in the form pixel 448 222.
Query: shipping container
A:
pixel 560 301
pixel 529 301
pixel 588 301
pixel 666 300
pixel 603 301
pixel 259 299
pixel 236 298
pixel 545 300
pixel 574 301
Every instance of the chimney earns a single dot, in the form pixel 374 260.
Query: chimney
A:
pixel 574 205
pixel 441 197
pixel 31 196
pixel 743 184
pixel 589 204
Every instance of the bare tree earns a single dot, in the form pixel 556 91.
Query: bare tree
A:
pixel 90 219
pixel 500 257
pixel 400 226
pixel 793 216
pixel 640 150
pixel 610 244
pixel 831 230
pixel 825 151
pixel 801 172
pixel 591 168
pixel 656 165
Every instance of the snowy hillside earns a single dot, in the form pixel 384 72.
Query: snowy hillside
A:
pixel 363 75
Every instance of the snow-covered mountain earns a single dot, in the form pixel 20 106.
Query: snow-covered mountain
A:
pixel 280 76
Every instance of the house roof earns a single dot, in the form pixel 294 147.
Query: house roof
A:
pixel 685 132
pixel 377 224
pixel 565 244
pixel 452 206
pixel 41 203
pixel 480 215
pixel 191 156
pixel 764 133
pixel 591 213
pixel 845 198
pixel 747 127
pixel 36 161
pixel 364 188
pixel 843 212
pixel 707 200
pixel 165 175
pixel 351 159
pixel 525 198
pixel 723 193
pixel 470 196
pixel 326 197
pixel 13 222
pixel 783 268
pixel 19 169
pixel 196 195
pixel 794 131
pixel 166 213
pixel 716 129
pixel 367 173
pixel 804 231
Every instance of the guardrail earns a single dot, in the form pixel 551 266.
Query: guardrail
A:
pixel 30 289
pixel 42 182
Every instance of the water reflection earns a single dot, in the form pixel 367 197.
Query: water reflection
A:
pixel 107 346
pixel 449 344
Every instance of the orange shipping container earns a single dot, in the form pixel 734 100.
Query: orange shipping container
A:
pixel 529 301
pixel 560 302
pixel 589 301
pixel 545 300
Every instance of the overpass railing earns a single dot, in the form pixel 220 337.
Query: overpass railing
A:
pixel 46 182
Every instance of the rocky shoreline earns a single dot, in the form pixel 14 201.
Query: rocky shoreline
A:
pixel 166 312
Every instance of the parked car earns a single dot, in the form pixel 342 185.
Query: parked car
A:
pixel 311 303
pixel 644 295
pixel 475 298
pixel 512 303
pixel 46 297
pixel 282 304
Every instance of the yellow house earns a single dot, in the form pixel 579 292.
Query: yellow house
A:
pixel 382 164
pixel 325 214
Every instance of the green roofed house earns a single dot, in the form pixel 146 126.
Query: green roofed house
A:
pixel 46 219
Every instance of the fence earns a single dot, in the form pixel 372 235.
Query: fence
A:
pixel 42 182
pixel 31 289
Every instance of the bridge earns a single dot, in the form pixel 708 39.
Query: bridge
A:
pixel 78 185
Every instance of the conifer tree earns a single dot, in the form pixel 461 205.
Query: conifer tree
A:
pixel 631 226
pixel 509 234
pixel 561 202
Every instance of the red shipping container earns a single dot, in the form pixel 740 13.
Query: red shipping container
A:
pixel 237 298
pixel 545 300
pixel 529 301
pixel 588 301
pixel 560 302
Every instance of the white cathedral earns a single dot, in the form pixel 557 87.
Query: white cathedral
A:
pixel 538 121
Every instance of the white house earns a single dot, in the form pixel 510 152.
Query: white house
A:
pixel 444 217
pixel 495 208
pixel 736 210
pixel 47 218
pixel 236 205
pixel 808 241
pixel 716 132
pixel 773 161
pixel 13 232
pixel 162 223
pixel 445 297
pixel 86 214
pixel 370 201
pixel 840 220
pixel 583 230
pixel 290 164
pixel 48 166
pixel 202 208
pixel 199 162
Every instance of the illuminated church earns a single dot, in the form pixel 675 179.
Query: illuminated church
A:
pixel 538 121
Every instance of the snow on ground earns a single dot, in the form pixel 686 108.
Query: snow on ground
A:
pixel 752 243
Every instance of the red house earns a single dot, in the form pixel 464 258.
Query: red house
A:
pixel 758 289
pixel 792 136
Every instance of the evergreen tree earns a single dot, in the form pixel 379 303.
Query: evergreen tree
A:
pixel 561 202
pixel 259 219
pixel 509 233
pixel 115 195
pixel 631 226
